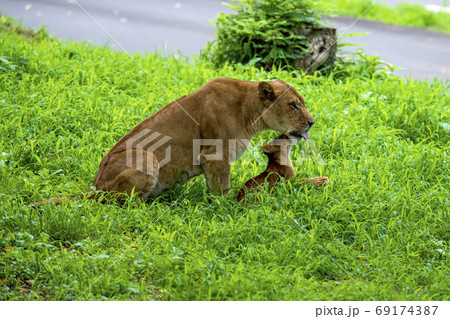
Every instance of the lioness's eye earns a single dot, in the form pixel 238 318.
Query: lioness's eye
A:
pixel 293 106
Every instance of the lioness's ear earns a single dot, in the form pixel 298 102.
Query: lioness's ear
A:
pixel 268 149
pixel 266 91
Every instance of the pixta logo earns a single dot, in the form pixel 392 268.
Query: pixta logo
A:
pixel 140 149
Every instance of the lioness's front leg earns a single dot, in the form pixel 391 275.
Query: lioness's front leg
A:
pixel 217 177
pixel 217 171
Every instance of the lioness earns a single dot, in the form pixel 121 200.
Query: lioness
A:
pixel 200 133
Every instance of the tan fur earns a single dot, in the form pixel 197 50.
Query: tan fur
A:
pixel 279 166
pixel 225 109
pixel 315 181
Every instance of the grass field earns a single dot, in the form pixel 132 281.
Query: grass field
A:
pixel 404 13
pixel 378 231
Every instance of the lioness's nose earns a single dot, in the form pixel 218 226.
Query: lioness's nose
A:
pixel 310 124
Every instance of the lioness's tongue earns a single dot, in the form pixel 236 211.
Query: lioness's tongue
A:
pixel 304 135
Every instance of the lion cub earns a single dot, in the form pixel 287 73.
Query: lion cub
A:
pixel 279 166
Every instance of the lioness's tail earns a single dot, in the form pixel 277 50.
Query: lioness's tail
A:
pixel 58 201
pixel 315 181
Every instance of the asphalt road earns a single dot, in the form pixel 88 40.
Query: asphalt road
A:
pixel 423 54
pixel 148 25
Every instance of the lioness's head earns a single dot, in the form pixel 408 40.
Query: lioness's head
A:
pixel 284 109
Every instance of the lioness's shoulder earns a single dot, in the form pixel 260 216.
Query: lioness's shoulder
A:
pixel 227 82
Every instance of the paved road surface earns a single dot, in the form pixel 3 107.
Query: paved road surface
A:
pixel 424 54
pixel 146 25
pixel 138 25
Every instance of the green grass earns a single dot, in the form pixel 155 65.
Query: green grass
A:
pixel 380 229
pixel 404 13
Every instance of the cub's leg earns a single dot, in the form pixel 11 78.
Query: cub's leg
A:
pixel 124 171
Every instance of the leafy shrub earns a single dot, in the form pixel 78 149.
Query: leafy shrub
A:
pixel 262 32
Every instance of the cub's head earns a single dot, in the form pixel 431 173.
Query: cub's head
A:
pixel 284 109
pixel 278 150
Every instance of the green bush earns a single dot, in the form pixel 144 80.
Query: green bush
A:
pixel 262 32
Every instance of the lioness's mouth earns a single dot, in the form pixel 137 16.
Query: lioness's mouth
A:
pixel 301 135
